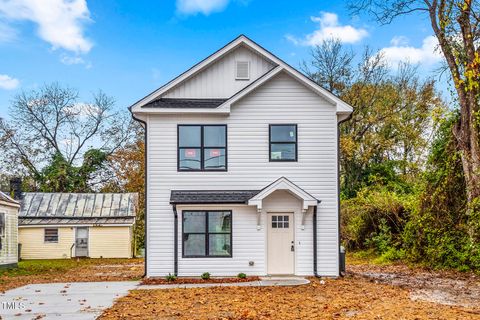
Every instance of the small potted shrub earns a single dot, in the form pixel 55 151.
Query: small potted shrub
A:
pixel 205 276
pixel 242 275
pixel 171 277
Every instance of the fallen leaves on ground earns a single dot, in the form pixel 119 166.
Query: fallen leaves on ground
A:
pixel 153 281
pixel 84 270
pixel 346 298
pixel 444 287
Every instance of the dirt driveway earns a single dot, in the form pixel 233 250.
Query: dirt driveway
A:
pixel 446 288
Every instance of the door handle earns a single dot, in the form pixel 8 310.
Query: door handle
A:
pixel 292 248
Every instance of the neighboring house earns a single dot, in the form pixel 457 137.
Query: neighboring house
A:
pixel 8 231
pixel 242 169
pixel 67 225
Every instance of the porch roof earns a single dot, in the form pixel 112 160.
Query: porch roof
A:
pixel 211 196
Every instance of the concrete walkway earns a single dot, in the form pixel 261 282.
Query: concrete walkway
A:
pixel 264 282
pixel 87 300
pixel 72 301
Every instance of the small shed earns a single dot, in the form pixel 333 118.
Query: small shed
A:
pixel 8 231
pixel 67 225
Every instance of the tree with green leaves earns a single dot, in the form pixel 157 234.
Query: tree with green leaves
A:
pixel 456 24
pixel 50 135
pixel 385 140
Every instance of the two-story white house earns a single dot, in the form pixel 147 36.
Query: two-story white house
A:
pixel 242 169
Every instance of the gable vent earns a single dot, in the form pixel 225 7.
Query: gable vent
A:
pixel 242 70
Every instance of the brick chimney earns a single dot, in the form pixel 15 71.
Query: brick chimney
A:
pixel 16 188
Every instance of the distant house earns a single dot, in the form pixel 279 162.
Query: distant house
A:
pixel 67 225
pixel 8 231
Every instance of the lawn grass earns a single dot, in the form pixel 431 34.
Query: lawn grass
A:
pixel 70 270
pixel 365 257
pixel 38 267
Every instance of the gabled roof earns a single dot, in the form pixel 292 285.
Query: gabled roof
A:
pixel 36 205
pixel 138 107
pixel 7 200
pixel 287 185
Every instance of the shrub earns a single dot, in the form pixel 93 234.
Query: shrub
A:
pixel 242 275
pixel 205 276
pixel 171 277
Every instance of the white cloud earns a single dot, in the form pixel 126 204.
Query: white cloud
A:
pixel 59 22
pixel 330 28
pixel 7 33
pixel 71 60
pixel 427 54
pixel 82 109
pixel 8 83
pixel 205 7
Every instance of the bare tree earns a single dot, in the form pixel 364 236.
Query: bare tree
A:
pixel 330 65
pixel 51 121
pixel 456 24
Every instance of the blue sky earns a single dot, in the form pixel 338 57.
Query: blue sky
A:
pixel 129 48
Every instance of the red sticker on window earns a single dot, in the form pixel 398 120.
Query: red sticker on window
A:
pixel 190 153
pixel 214 153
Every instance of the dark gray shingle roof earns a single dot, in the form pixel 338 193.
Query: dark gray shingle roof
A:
pixel 210 196
pixel 184 103
pixel 78 205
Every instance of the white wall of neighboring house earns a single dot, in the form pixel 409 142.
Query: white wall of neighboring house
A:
pixel 9 251
pixel 283 99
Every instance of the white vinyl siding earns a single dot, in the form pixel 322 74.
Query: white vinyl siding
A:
pixel 281 100
pixel 9 251
pixel 219 80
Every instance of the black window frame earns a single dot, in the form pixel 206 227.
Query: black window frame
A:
pixel 202 148
pixel 207 233
pixel 270 142
pixel 45 235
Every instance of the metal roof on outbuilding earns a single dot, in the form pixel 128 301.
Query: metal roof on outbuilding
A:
pixel 74 208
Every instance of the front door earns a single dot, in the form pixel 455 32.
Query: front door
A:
pixel 281 244
pixel 81 242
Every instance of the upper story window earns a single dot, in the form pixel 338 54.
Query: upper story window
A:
pixel 202 147
pixel 283 142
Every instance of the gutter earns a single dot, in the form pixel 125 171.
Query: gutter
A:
pixel 145 187
pixel 175 241
pixel 338 187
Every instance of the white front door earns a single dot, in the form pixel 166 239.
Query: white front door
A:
pixel 280 242
pixel 81 242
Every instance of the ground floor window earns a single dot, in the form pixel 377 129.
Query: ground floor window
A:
pixel 207 234
pixel 51 235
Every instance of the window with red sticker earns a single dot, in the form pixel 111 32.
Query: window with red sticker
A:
pixel 202 147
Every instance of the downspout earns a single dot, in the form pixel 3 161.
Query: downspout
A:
pixel 175 241
pixel 338 186
pixel 315 241
pixel 145 188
